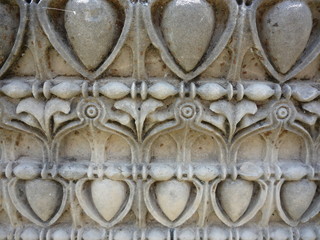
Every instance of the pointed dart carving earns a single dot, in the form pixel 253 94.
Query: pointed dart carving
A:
pixel 172 197
pixel 91 29
pixel 187 27
pixel 286 29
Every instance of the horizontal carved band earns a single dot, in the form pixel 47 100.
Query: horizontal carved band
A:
pixel 160 89
pixel 65 232
pixel 101 157
pixel 158 171
pixel 141 39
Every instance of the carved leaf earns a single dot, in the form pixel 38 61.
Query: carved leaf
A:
pixel 122 118
pixel 60 118
pixel 37 113
pixel 313 107
pixel 35 108
pixel 29 120
pixel 248 120
pixel 129 106
pixel 137 111
pixel 53 107
pixel 233 113
pixel 148 107
pixel 309 114
pixel 304 93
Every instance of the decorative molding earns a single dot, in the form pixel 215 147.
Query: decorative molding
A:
pixel 159 119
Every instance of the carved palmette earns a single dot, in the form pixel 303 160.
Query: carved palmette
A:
pixel 208 166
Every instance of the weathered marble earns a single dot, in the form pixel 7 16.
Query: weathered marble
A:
pixel 159 120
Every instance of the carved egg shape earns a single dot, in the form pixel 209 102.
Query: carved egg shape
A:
pixel 187 28
pixel 92 29
pixel 286 29
pixel 172 197
pixel 235 197
pixel 108 197
pixel 296 197
pixel 8 28
pixel 44 197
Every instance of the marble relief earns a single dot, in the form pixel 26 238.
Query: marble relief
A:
pixel 159 120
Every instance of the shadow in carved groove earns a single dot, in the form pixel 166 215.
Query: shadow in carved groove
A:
pixel 252 149
pixel 185 147
pixel 94 146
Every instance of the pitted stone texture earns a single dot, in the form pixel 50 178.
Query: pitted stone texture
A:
pixel 159 120
pixel 285 31
pixel 44 197
pixel 8 29
pixel 187 29
pixel 92 29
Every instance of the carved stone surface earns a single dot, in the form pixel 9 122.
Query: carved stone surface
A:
pixel 160 120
